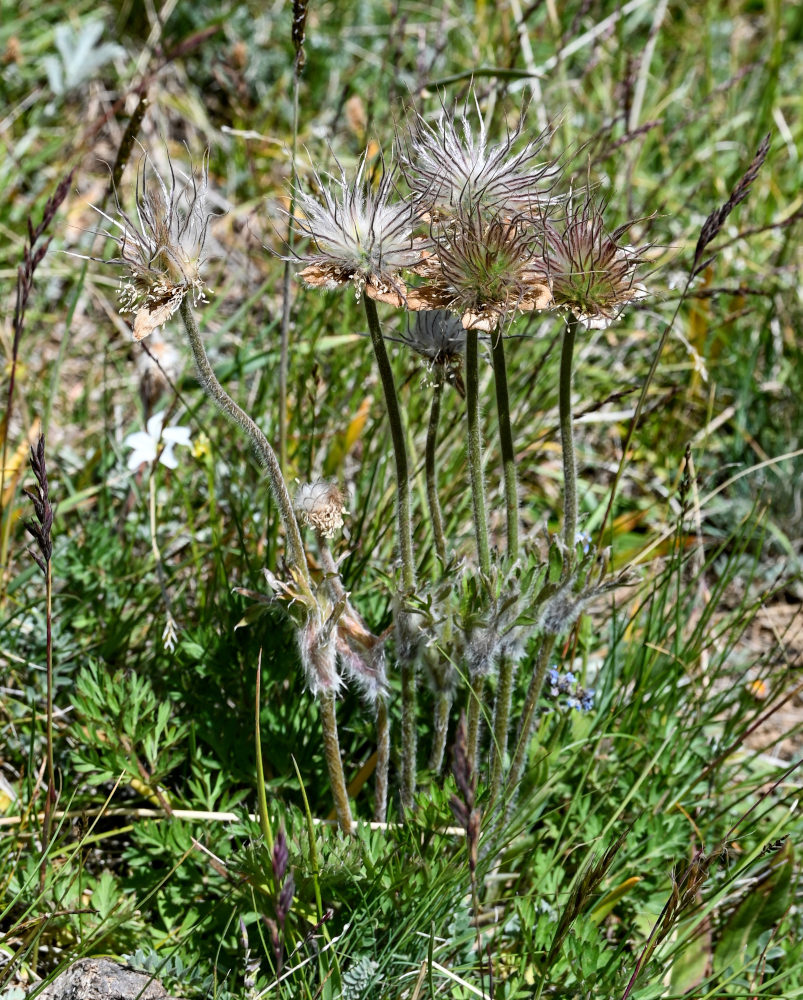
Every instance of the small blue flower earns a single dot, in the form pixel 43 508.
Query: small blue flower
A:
pixel 583 538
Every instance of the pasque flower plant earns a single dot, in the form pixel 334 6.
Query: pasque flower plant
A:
pixel 479 237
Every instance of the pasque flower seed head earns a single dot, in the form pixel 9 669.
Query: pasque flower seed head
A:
pixel 591 272
pixel 361 234
pixel 452 165
pixel 163 251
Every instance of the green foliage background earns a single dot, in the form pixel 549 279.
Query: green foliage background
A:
pixel 664 106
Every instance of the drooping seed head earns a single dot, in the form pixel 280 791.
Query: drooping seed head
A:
pixel 163 251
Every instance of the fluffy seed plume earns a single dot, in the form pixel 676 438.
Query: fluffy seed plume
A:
pixel 161 252
pixel 320 506
pixel 361 234
pixel 452 164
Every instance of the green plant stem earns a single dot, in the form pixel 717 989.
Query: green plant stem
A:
pixel 382 761
pixel 567 440
pixel 264 818
pixel 480 514
pixel 399 446
pixel 507 666
pixel 50 798
pixel 266 454
pixel 506 444
pixel 284 344
pixel 404 524
pixel 474 715
pixel 433 501
pixel 475 451
pixel 331 746
pixel 528 714
pixel 443 707
pixel 338 594
pixel 504 695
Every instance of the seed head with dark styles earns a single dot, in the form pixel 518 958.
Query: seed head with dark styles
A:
pixel 592 273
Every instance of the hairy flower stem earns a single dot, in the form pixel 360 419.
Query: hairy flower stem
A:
pixel 266 454
pixel 567 442
pixel 528 715
pixel 504 695
pixel 480 513
pixel 432 470
pixel 443 707
pixel 475 451
pixel 506 444
pixel 331 747
pixel 507 666
pixel 338 593
pixel 382 761
pixel 284 346
pixel 405 549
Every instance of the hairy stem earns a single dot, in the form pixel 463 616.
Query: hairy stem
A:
pixel 432 470
pixel 404 525
pixel 475 451
pixel 334 765
pixel 480 513
pixel 504 694
pixel 506 444
pixel 443 707
pixel 382 761
pixel 567 439
pixel 284 346
pixel 474 717
pixel 266 454
pixel 528 714
pixel 399 446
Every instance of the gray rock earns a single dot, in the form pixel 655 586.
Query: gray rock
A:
pixel 101 979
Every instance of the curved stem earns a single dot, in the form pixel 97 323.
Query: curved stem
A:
pixel 567 440
pixel 399 446
pixel 506 444
pixel 338 593
pixel 528 713
pixel 404 641
pixel 266 454
pixel 331 746
pixel 432 470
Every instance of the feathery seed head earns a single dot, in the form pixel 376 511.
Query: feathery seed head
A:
pixel 592 274
pixel 361 235
pixel 163 251
pixel 453 166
